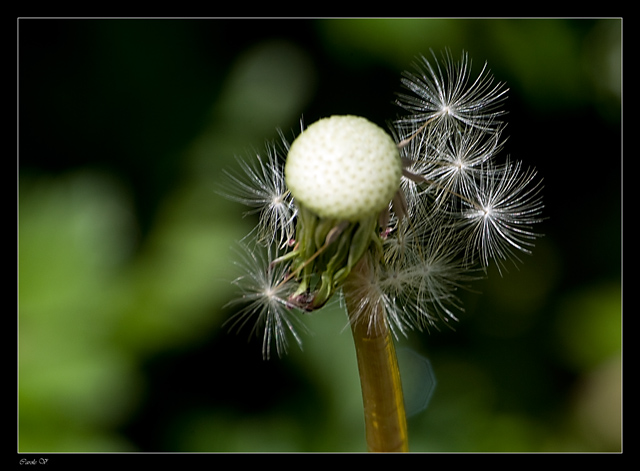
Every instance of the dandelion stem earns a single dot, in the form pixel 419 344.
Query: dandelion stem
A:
pixel 384 414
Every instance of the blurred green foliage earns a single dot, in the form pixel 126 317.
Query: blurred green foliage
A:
pixel 125 127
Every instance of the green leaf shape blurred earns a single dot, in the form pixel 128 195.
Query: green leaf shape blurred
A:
pixel 89 312
pixel 74 382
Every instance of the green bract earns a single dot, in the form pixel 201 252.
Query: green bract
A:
pixel 343 167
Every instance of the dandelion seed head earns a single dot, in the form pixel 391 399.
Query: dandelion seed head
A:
pixel 428 207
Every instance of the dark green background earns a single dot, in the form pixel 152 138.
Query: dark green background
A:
pixel 124 244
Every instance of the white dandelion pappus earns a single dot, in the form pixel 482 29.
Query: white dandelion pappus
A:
pixel 261 186
pixel 444 94
pixel 375 304
pixel 425 279
pixel 264 289
pixel 501 213
pixel 415 287
pixel 459 160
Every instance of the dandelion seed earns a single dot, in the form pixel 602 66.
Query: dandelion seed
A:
pixel 261 186
pixel 374 305
pixel 458 161
pixel 444 94
pixel 264 294
pixel 501 214
pixel 425 279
